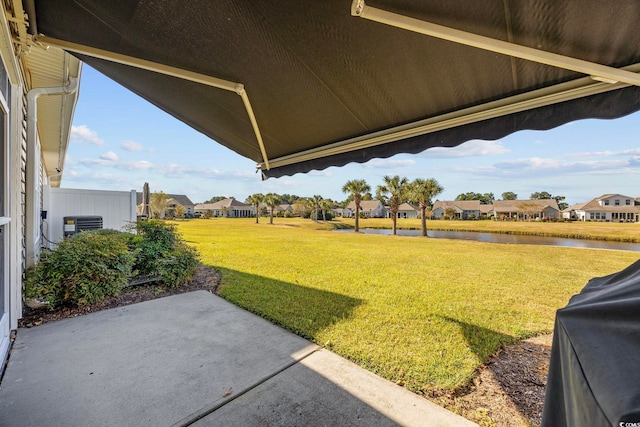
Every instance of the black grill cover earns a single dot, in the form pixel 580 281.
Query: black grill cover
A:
pixel 594 375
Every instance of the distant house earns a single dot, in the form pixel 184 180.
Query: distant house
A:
pixel 571 212
pixel 284 209
pixel 338 211
pixel 486 211
pixel 609 207
pixel 176 200
pixel 173 202
pixel 407 210
pixel 463 209
pixel 522 209
pixel 368 208
pixel 229 208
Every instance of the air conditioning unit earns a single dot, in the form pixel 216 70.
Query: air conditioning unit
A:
pixel 76 224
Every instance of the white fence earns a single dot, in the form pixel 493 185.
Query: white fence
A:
pixel 117 208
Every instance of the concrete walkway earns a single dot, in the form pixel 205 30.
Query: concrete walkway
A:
pixel 193 359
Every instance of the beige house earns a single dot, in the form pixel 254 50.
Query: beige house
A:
pixel 543 209
pixel 486 211
pixel 407 210
pixel 229 208
pixel 463 209
pixel 283 209
pixel 176 200
pixel 368 208
pixel 608 207
pixel 571 211
pixel 173 202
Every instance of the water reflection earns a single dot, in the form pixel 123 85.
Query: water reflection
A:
pixel 510 239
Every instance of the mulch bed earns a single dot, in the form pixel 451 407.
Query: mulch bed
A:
pixel 207 278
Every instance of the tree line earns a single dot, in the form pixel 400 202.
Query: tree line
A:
pixel 393 192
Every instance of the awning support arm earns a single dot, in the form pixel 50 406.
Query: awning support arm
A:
pixel 596 71
pixel 166 70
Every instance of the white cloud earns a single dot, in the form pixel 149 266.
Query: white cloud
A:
pixel 246 176
pixel 110 156
pixel 95 162
pixel 170 170
pixel 83 134
pixel 138 165
pixel 389 163
pixel 530 163
pixel 468 149
pixel 108 160
pixel 608 153
pixel 133 146
pixel 537 167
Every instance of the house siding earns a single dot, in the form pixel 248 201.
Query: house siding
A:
pixel 464 209
pixel 12 212
pixel 368 208
pixel 227 207
pixel 23 165
pixel 604 208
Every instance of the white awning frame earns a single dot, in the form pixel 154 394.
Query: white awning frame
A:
pixel 167 70
pixel 601 79
pixel 596 71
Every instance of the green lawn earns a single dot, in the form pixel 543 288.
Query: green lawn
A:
pixel 421 312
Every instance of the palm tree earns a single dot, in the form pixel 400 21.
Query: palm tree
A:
pixel 422 191
pixel 356 187
pixel 158 203
pixel 315 201
pixel 272 200
pixel 395 189
pixel 255 200
pixel 325 205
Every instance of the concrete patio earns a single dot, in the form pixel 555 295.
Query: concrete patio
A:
pixel 193 359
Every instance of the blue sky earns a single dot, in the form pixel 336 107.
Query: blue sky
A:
pixel 119 141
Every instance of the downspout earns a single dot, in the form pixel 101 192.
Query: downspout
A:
pixel 32 205
pixel 30 9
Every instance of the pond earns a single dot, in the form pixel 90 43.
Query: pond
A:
pixel 509 239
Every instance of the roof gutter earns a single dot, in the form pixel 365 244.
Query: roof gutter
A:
pixel 33 205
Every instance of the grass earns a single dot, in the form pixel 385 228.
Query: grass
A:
pixel 622 232
pixel 425 313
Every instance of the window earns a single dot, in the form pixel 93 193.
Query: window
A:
pixel 627 202
pixel 606 203
pixel 617 202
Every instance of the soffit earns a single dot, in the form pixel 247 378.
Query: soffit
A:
pixel 52 68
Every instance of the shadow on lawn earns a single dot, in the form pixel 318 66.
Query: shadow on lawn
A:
pixel 519 370
pixel 482 341
pixel 300 309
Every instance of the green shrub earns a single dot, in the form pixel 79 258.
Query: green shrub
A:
pixel 160 252
pixel 179 266
pixel 82 270
pixel 89 266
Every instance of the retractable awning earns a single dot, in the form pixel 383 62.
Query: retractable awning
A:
pixel 299 85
